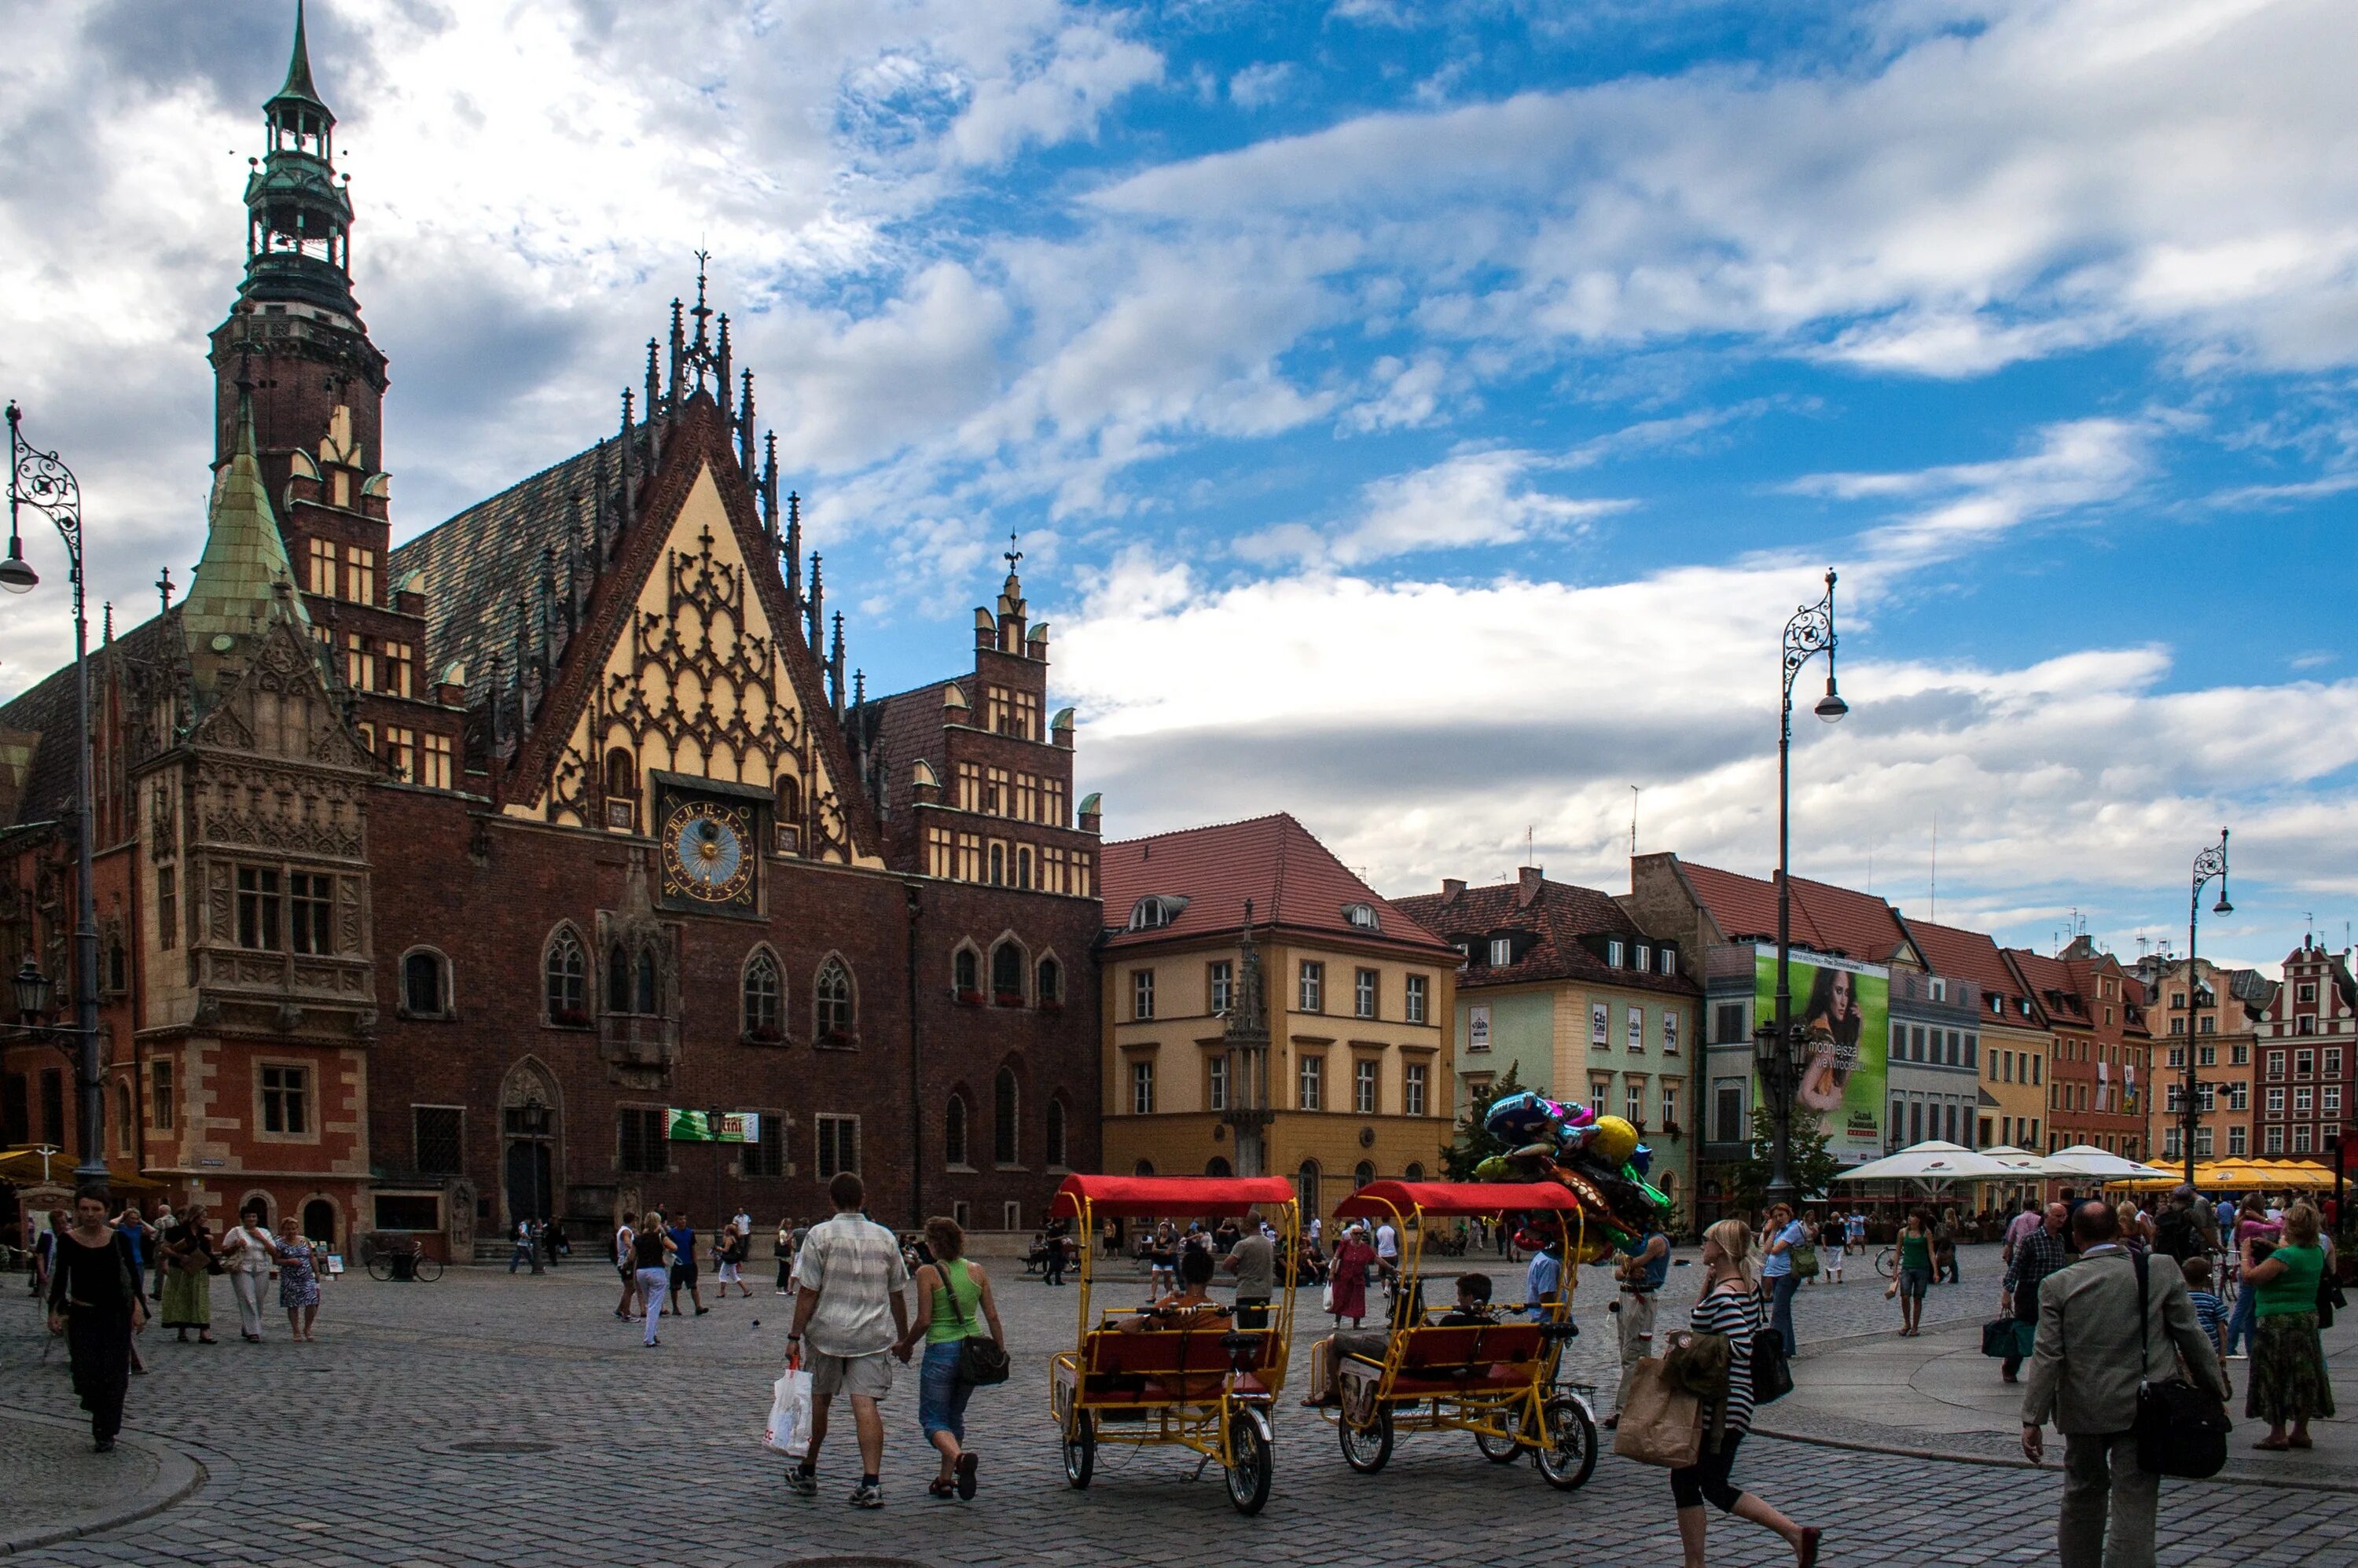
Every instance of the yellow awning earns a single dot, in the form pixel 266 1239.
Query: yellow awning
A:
pixel 28 1167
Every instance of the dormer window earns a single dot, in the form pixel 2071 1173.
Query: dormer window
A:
pixel 1613 954
pixel 1670 961
pixel 1641 956
pixel 1502 952
pixel 1362 916
pixel 1154 911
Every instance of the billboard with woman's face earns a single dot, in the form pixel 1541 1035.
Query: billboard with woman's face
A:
pixel 1842 1014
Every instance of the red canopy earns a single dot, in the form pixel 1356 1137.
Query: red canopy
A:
pixel 1380 1199
pixel 1136 1197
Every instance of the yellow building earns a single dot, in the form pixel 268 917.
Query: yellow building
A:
pixel 1267 1013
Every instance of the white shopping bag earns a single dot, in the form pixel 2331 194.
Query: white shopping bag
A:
pixel 790 1414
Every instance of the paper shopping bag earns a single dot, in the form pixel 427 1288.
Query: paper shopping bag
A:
pixel 1659 1424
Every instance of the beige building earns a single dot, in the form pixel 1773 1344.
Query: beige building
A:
pixel 1265 1012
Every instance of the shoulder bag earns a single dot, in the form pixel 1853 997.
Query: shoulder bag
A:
pixel 2182 1430
pixel 982 1361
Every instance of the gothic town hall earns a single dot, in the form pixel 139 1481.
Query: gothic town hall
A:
pixel 439 884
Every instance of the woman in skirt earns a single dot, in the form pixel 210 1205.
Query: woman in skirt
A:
pixel 2288 1383
pixel 188 1276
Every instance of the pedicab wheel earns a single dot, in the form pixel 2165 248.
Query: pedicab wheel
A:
pixel 1368 1448
pixel 1080 1450
pixel 1499 1448
pixel 427 1270
pixel 1256 1461
pixel 1567 1451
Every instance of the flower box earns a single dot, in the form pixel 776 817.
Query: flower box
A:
pixel 969 997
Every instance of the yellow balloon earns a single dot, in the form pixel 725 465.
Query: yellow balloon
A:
pixel 1615 1142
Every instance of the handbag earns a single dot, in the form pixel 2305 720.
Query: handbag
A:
pixel 1772 1373
pixel 1660 1422
pixel 2008 1337
pixel 2328 1296
pixel 1805 1261
pixel 2182 1430
pixel 982 1361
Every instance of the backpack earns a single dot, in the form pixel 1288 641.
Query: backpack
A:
pixel 2174 1234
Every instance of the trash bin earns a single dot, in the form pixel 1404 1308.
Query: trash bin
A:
pixel 405 1266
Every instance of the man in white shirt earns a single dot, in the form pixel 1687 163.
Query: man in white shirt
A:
pixel 852 1310
pixel 1387 1253
pixel 744 1223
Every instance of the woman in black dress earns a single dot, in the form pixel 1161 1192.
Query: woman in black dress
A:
pixel 96 1303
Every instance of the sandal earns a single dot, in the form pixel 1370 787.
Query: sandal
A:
pixel 1807 1555
pixel 938 1488
pixel 2273 1445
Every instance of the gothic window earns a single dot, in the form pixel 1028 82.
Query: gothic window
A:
pixel 310 905
pixel 425 984
pixel 765 1003
pixel 790 799
pixel 618 979
pixel 1003 1101
pixel 834 1007
pixel 1007 975
pixel 954 1131
pixel 565 978
pixel 1051 987
pixel 649 991
pixel 621 791
pixel 1055 1142
pixel 966 971
pixel 998 863
pixel 118 965
pixel 1023 867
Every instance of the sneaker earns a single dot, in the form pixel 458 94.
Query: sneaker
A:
pixel 801 1482
pixel 867 1495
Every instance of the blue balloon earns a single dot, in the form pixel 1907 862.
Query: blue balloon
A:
pixel 1640 1160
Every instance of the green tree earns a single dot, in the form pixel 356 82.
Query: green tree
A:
pixel 1807 1160
pixel 1472 1144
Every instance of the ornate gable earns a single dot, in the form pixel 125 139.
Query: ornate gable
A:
pixel 280 707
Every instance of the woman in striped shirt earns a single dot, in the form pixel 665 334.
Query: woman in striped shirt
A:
pixel 1730 1305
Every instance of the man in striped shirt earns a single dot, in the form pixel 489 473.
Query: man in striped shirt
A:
pixel 852 1279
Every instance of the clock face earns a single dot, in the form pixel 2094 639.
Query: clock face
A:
pixel 706 852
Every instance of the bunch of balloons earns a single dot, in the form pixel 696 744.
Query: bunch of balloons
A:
pixel 1598 1158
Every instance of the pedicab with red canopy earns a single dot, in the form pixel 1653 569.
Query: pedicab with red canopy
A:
pixel 1145 1378
pixel 1497 1379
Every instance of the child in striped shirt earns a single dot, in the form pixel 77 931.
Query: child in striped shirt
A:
pixel 2209 1310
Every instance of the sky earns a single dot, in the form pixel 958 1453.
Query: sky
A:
pixel 1420 417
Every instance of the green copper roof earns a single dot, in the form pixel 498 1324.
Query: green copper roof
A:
pixel 244 563
pixel 298 86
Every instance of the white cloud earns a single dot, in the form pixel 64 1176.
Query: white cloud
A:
pixel 1473 498
pixel 1259 86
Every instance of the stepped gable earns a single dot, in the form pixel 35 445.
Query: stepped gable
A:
pixel 1294 880
pixel 1559 914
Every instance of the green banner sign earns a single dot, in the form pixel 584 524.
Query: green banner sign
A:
pixel 1842 1014
pixel 695 1127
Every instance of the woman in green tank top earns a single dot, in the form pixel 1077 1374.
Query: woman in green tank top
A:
pixel 956 1296
pixel 2289 1383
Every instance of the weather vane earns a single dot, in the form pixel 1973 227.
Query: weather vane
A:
pixel 1012 554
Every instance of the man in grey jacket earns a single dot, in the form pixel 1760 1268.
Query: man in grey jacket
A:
pixel 2090 1355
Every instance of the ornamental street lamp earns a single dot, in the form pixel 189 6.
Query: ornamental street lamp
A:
pixel 1810 633
pixel 37 480
pixel 2211 862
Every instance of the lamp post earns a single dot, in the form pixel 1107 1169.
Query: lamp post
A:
pixel 37 480
pixel 2211 862
pixel 1810 633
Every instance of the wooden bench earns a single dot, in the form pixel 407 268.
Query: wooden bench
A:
pixel 1167 1365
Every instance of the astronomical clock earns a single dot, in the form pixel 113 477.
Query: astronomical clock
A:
pixel 708 841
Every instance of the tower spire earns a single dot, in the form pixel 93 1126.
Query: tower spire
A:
pixel 297 85
pixel 244 567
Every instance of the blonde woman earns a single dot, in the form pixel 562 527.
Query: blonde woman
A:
pixel 1730 1305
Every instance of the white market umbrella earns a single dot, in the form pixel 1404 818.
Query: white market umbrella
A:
pixel 2023 1163
pixel 1932 1163
pixel 2087 1161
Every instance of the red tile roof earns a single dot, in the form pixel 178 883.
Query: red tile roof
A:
pixel 2054 990
pixel 1962 954
pixel 1825 917
pixel 1561 914
pixel 1294 882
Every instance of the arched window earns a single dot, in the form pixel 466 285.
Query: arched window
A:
pixel 1217 1165
pixel 831 999
pixel 1305 1189
pixel 1143 1168
pixel 1003 1146
pixel 1051 988
pixel 1055 1150
pixel 1023 867
pixel 424 992
pixel 622 775
pixel 618 979
pixel 1415 1172
pixel 649 992
pixel 118 966
pixel 123 1117
pixel 999 865
pixel 565 978
pixel 319 1221
pixel 966 971
pixel 790 798
pixel 954 1132
pixel 1007 975
pixel 765 1000
pixel 1361 1175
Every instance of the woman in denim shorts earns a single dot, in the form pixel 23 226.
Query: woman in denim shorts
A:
pixel 1914 1276
pixel 957 1294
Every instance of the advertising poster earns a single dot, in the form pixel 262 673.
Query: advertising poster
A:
pixel 1478 1026
pixel 695 1127
pixel 1842 1014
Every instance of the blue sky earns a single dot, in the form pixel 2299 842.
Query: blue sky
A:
pixel 1419 418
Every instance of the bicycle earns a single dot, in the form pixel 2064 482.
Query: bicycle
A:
pixel 411 1262
pixel 1886 1263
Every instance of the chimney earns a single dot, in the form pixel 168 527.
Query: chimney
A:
pixel 1452 889
pixel 1528 880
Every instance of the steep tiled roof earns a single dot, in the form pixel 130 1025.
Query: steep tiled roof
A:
pixel 909 726
pixel 1294 880
pixel 478 561
pixel 1827 918
pixel 2054 990
pixel 1958 954
pixel 1559 916
pixel 46 713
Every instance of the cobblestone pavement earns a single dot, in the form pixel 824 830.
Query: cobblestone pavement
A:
pixel 357 1448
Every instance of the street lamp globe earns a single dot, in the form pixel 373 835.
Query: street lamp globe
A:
pixel 1830 707
pixel 2223 906
pixel 32 989
pixel 16 573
